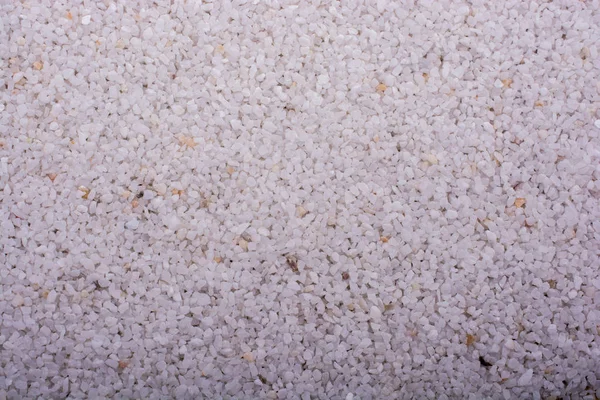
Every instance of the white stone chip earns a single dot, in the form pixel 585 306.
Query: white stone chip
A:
pixel 525 379
pixel 375 313
pixel 344 200
pixel 132 224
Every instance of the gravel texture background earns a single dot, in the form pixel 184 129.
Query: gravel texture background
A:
pixel 284 199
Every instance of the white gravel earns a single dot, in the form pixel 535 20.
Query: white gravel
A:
pixel 321 200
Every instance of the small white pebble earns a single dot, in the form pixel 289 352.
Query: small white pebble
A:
pixel 525 379
pixel 86 19
pixel 263 150
pixel 178 110
pixel 160 188
pixel 375 313
pixel 18 76
pixel 148 33
pixel 52 296
pixel 451 214
pixel 491 236
pixel 17 301
pixel 132 224
pixel 45 331
pixel 597 123
pixel 288 376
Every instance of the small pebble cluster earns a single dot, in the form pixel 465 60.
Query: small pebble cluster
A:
pixel 300 200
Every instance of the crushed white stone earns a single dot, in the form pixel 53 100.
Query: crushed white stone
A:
pixel 309 200
pixel 525 379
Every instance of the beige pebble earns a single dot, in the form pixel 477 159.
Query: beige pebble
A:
pixel 85 191
pixel 432 159
pixel 301 211
pixel 507 83
pixel 520 202
pixel 187 141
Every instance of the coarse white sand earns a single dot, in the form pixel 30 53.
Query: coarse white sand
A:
pixel 299 199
